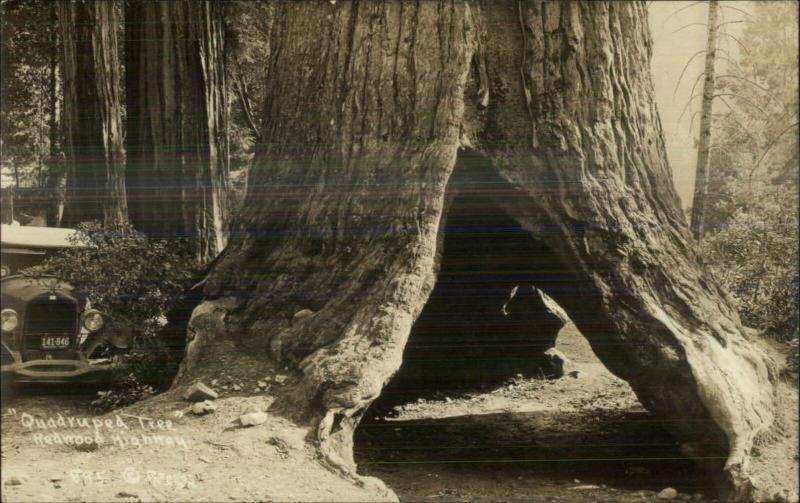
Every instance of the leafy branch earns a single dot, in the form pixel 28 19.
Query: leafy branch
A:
pixel 770 145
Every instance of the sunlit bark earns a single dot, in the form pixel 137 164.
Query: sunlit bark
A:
pixel 92 112
pixel 177 121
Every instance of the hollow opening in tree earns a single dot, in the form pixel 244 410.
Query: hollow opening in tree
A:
pixel 480 385
pixel 489 316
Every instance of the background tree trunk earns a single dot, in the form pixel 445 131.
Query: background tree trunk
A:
pixel 367 107
pixel 92 112
pixel 55 179
pixel 177 121
pixel 704 144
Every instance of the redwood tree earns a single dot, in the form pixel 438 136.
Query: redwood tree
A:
pixel 92 112
pixel 177 121
pixel 368 107
pixel 55 179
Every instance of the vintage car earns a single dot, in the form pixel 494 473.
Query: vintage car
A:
pixel 50 333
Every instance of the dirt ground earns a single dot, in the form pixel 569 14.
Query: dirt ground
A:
pixel 208 458
pixel 578 439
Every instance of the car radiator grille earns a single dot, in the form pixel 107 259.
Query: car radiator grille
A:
pixel 46 317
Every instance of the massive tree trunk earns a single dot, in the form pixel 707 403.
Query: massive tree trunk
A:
pixel 177 121
pixel 369 105
pixel 92 112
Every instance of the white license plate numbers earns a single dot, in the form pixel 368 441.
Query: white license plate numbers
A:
pixel 55 342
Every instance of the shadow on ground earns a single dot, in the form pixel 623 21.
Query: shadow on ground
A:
pixel 535 456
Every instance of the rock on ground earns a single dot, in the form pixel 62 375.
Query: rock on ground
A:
pixel 199 392
pixel 668 494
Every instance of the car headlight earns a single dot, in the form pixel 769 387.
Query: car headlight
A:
pixel 4 271
pixel 10 320
pixel 93 320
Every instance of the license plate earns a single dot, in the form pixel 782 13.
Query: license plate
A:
pixel 55 342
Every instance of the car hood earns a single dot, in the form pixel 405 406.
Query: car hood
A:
pixel 19 290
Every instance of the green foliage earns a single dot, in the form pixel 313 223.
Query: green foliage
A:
pixel 794 355
pixel 28 45
pixel 147 370
pixel 247 50
pixel 751 247
pixel 125 390
pixel 755 137
pixel 133 279
pixel 755 258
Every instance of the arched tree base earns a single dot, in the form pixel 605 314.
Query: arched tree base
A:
pixel 339 244
pixel 332 409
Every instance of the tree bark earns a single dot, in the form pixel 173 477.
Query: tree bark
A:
pixel 704 144
pixel 55 179
pixel 345 215
pixel 92 112
pixel 177 121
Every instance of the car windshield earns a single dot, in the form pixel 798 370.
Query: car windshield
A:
pixel 17 259
pixel 23 247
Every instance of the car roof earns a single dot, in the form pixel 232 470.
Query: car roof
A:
pixel 17 236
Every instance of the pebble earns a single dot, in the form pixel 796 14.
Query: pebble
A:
pixel 253 418
pixel 14 481
pixel 203 408
pixel 262 384
pixel 280 379
pixel 236 387
pixel 667 493
pixel 199 392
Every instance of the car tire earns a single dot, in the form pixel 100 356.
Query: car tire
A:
pixel 8 388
